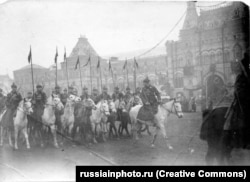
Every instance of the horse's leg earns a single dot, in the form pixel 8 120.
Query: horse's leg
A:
pixel 16 137
pixel 93 126
pixel 210 156
pixel 9 132
pixel 53 131
pixel 25 133
pixel 1 136
pixel 164 133
pixel 157 129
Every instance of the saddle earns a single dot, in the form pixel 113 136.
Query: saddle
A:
pixel 147 112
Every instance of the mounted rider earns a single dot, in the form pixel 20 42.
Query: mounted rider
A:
pixel 2 100
pixel 128 95
pixel 12 101
pixel 240 110
pixel 104 95
pixel 150 98
pixel 71 90
pixel 57 112
pixel 94 95
pixel 64 96
pixel 39 101
pixel 85 94
pixel 117 95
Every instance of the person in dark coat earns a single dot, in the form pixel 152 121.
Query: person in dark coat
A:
pixel 2 101
pixel 39 101
pixel 150 97
pixel 64 96
pixel 104 95
pixel 117 95
pixel 85 94
pixel 128 95
pixel 94 95
pixel 57 112
pixel 12 101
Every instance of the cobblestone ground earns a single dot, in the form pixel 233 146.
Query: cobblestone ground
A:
pixel 50 164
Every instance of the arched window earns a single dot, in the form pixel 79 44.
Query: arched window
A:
pixel 212 58
pixel 237 52
pixel 178 82
pixel 189 58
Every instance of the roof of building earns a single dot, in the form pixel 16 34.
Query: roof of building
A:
pixel 35 66
pixel 83 48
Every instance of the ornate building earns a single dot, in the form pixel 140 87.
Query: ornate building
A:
pixel 209 44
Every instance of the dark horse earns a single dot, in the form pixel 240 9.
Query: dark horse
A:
pixel 220 141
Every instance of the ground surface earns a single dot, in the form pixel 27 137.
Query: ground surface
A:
pixel 51 164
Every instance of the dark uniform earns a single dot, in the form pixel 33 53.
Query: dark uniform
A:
pixel 94 95
pixel 71 90
pixel 57 112
pixel 2 101
pixel 39 101
pixel 64 97
pixel 12 101
pixel 104 95
pixel 242 98
pixel 85 94
pixel 117 95
pixel 128 95
pixel 150 98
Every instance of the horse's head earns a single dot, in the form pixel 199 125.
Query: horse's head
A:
pixel 112 106
pixel 90 103
pixel 57 103
pixel 105 107
pixel 177 108
pixel 174 107
pixel 27 106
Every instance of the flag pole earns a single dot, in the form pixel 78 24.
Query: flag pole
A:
pixel 90 72
pixel 134 75
pixel 80 72
pixel 127 73
pixel 31 66
pixel 67 74
pixel 56 66
pixel 100 71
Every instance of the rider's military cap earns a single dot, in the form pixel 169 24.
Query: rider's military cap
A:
pixel 57 87
pixel 127 88
pixel 13 85
pixel 105 88
pixel 38 86
pixel 85 88
pixel 95 89
pixel 65 89
pixel 146 80
pixel 116 88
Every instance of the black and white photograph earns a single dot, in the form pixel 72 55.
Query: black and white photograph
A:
pixel 122 83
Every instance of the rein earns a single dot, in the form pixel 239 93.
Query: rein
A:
pixel 171 111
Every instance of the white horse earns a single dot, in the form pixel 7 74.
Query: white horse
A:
pixel 20 122
pixel 99 118
pixel 160 119
pixel 49 118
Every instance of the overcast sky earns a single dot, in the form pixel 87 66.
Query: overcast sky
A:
pixel 111 27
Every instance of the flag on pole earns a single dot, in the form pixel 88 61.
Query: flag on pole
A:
pixel 135 63
pixel 30 56
pixel 87 62
pixel 64 54
pixel 56 56
pixel 98 63
pixel 125 65
pixel 77 62
pixel 110 67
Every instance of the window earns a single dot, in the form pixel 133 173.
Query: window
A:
pixel 237 52
pixel 178 82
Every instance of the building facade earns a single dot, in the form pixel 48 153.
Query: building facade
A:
pixel 209 44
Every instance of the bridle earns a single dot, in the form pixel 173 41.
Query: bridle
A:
pixel 26 108
pixel 102 110
pixel 172 107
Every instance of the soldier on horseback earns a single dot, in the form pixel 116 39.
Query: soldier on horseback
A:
pixel 71 90
pixel 104 95
pixel 57 112
pixel 85 94
pixel 39 101
pixel 2 101
pixel 117 95
pixel 12 101
pixel 150 98
pixel 94 95
pixel 128 95
pixel 240 106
